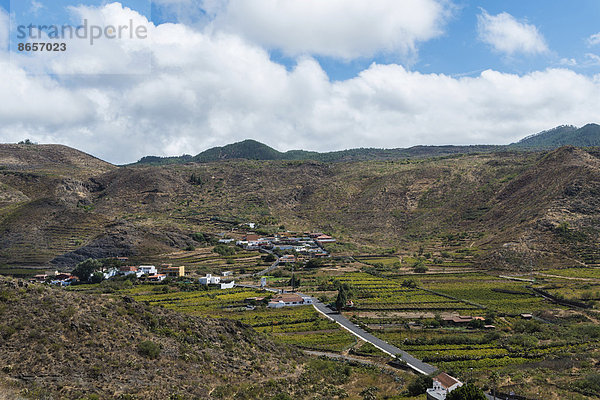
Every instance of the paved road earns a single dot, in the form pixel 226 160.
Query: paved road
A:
pixel 256 287
pixel 271 268
pixel 345 323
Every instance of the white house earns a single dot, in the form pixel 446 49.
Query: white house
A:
pixel 229 285
pixel 110 273
pixel 289 300
pixel 157 277
pixel 146 270
pixel 227 273
pixel 442 385
pixel 210 280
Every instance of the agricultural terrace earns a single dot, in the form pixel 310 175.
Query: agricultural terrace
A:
pixel 204 260
pixel 500 295
pixel 372 293
pixel 300 326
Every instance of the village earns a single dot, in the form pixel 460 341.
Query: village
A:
pixel 284 250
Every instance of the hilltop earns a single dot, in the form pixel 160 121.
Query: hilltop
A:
pixel 50 158
pixel 587 136
pixel 252 150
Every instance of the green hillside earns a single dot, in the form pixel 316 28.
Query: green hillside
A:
pixel 587 136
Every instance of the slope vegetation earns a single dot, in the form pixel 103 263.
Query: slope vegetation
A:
pixel 57 342
pixel 505 209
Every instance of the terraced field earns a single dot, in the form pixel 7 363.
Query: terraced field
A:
pixel 300 326
pixel 378 294
pixel 203 260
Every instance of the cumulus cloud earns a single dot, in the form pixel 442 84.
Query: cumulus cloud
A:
pixel 336 28
pixel 507 35
pixel 212 88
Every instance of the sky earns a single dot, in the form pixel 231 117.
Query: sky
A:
pixel 319 75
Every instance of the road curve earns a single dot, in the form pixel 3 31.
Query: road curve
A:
pixel 414 363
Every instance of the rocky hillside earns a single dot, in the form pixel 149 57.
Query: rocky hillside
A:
pixel 57 344
pixel 506 209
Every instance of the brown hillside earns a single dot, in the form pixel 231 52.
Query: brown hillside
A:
pixel 58 344
pixel 503 208
pixel 51 158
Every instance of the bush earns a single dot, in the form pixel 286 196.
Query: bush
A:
pixel 420 385
pixel 96 277
pixel 86 268
pixel 419 267
pixel 410 283
pixel 270 258
pixel 466 392
pixel 149 349
pixel 224 250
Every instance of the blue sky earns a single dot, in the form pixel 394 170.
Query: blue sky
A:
pixel 310 74
pixel 566 26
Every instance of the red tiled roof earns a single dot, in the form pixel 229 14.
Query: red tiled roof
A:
pixel 287 298
pixel 446 380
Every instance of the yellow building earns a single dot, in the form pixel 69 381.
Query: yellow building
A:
pixel 172 271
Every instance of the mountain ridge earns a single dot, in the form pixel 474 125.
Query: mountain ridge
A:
pixel 250 149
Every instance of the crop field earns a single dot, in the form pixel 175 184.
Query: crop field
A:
pixel 379 294
pixel 300 326
pixel 497 294
pixel 584 273
pixel 204 260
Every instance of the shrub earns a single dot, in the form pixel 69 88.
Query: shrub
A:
pixel 149 349
pixel 420 385
pixel 86 268
pixel 224 250
pixel 466 392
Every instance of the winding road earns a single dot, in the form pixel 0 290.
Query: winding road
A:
pixel 414 363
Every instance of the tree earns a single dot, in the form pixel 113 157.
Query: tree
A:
pixel 270 258
pixel 419 267
pixel 149 349
pixel 420 385
pixel 96 277
pixel 342 297
pixel 410 283
pixel 294 282
pixel 466 392
pixel 195 180
pixel 86 268
pixel 224 250
pixel 314 263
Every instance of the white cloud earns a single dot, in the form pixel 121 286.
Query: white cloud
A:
pixel 507 35
pixel 337 28
pixel 211 88
pixel 568 62
pixel 594 39
pixel 592 59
